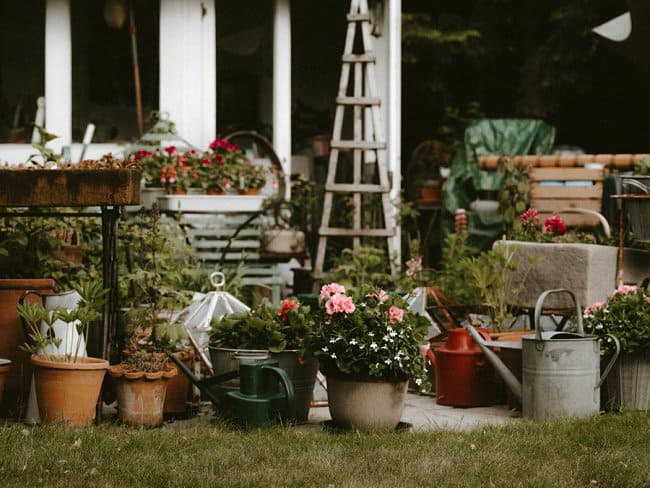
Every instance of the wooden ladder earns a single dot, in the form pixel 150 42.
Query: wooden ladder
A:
pixel 367 144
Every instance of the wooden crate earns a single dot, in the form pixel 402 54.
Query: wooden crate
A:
pixel 552 190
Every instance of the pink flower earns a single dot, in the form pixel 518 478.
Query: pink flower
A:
pixel 555 225
pixel 529 217
pixel 625 289
pixel 395 314
pixel 339 303
pixel 592 308
pixel 380 295
pixel 328 290
pixel 647 299
pixel 170 150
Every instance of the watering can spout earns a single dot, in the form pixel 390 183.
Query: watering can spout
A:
pixel 508 377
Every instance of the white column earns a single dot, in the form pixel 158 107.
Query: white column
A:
pixel 282 84
pixel 188 69
pixel 394 105
pixel 58 72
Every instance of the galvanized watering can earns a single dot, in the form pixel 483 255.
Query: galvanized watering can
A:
pixel 561 370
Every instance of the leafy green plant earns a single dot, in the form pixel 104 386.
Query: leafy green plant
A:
pixel 92 297
pixel 455 277
pixel 365 266
pixel 513 197
pixel 642 167
pixel 276 328
pixel 626 315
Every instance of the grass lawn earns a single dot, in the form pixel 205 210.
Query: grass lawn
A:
pixel 607 451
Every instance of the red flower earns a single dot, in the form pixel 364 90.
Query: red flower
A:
pixel 170 150
pixel 142 153
pixel 287 306
pixel 205 162
pixel 529 217
pixel 555 225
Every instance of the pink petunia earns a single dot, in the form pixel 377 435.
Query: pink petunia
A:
pixel 395 314
pixel 333 288
pixel 339 303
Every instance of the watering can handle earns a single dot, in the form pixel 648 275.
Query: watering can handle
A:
pixel 610 365
pixel 540 303
pixel 288 388
pixel 217 279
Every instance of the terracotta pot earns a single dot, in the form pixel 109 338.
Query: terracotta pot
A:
pixel 249 191
pixel 12 337
pixel 141 396
pixel 67 392
pixel 429 195
pixel 365 405
pixel 179 191
pixel 4 369
pixel 178 387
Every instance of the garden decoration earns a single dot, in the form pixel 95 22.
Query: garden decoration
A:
pixel 561 370
pixel 368 349
pixel 281 332
pixel 264 396
pixel 67 383
pixel 205 308
pixel 626 314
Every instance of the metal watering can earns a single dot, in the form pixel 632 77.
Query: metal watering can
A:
pixel 561 370
pixel 265 393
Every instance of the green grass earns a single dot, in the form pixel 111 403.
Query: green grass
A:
pixel 613 450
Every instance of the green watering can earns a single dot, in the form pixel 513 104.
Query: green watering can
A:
pixel 265 395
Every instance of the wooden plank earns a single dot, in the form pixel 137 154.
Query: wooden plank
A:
pixel 231 256
pixel 69 187
pixel 358 17
pixel 557 204
pixel 563 174
pixel 353 188
pixel 592 191
pixel 340 144
pixel 334 231
pixel 202 244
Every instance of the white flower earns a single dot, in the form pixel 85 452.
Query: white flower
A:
pixel 325 349
pixel 333 356
pixel 392 333
pixel 385 338
pixel 371 334
pixel 373 346
pixel 418 381
pixel 396 358
pixel 353 342
pixel 332 340
pixel 388 361
pixel 599 326
pixel 361 346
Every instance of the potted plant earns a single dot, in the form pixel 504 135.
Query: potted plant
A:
pixel 281 236
pixel 626 315
pixel 67 385
pixel 368 349
pixel 251 178
pixel 143 375
pixel 430 191
pixel 281 332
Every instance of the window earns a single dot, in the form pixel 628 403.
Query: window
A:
pixel 22 67
pixel 103 81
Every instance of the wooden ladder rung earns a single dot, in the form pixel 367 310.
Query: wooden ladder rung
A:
pixel 356 188
pixel 358 17
pixel 358 100
pixel 358 58
pixel 337 144
pixel 337 231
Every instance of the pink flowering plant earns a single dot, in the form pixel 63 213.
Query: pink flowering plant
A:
pixel 552 229
pixel 626 315
pixel 371 336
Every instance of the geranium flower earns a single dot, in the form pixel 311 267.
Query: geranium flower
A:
pixel 380 295
pixel 339 303
pixel 529 217
pixel 395 314
pixel 555 225
pixel 625 289
pixel 327 291
pixel 592 308
pixel 287 306
pixel 170 150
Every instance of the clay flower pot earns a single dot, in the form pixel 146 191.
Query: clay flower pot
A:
pixel 178 387
pixel 68 392
pixel 141 395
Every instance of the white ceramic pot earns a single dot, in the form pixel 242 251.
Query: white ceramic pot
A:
pixel 366 405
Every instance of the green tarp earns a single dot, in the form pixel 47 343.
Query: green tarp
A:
pixel 466 181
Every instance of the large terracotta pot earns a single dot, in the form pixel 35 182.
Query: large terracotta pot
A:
pixel 178 387
pixel 141 396
pixel 4 369
pixel 365 404
pixel 11 338
pixel 67 393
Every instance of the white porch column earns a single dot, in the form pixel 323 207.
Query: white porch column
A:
pixel 282 84
pixel 58 72
pixel 394 105
pixel 188 68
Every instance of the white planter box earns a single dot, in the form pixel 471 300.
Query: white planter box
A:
pixel 211 203
pixel 588 270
